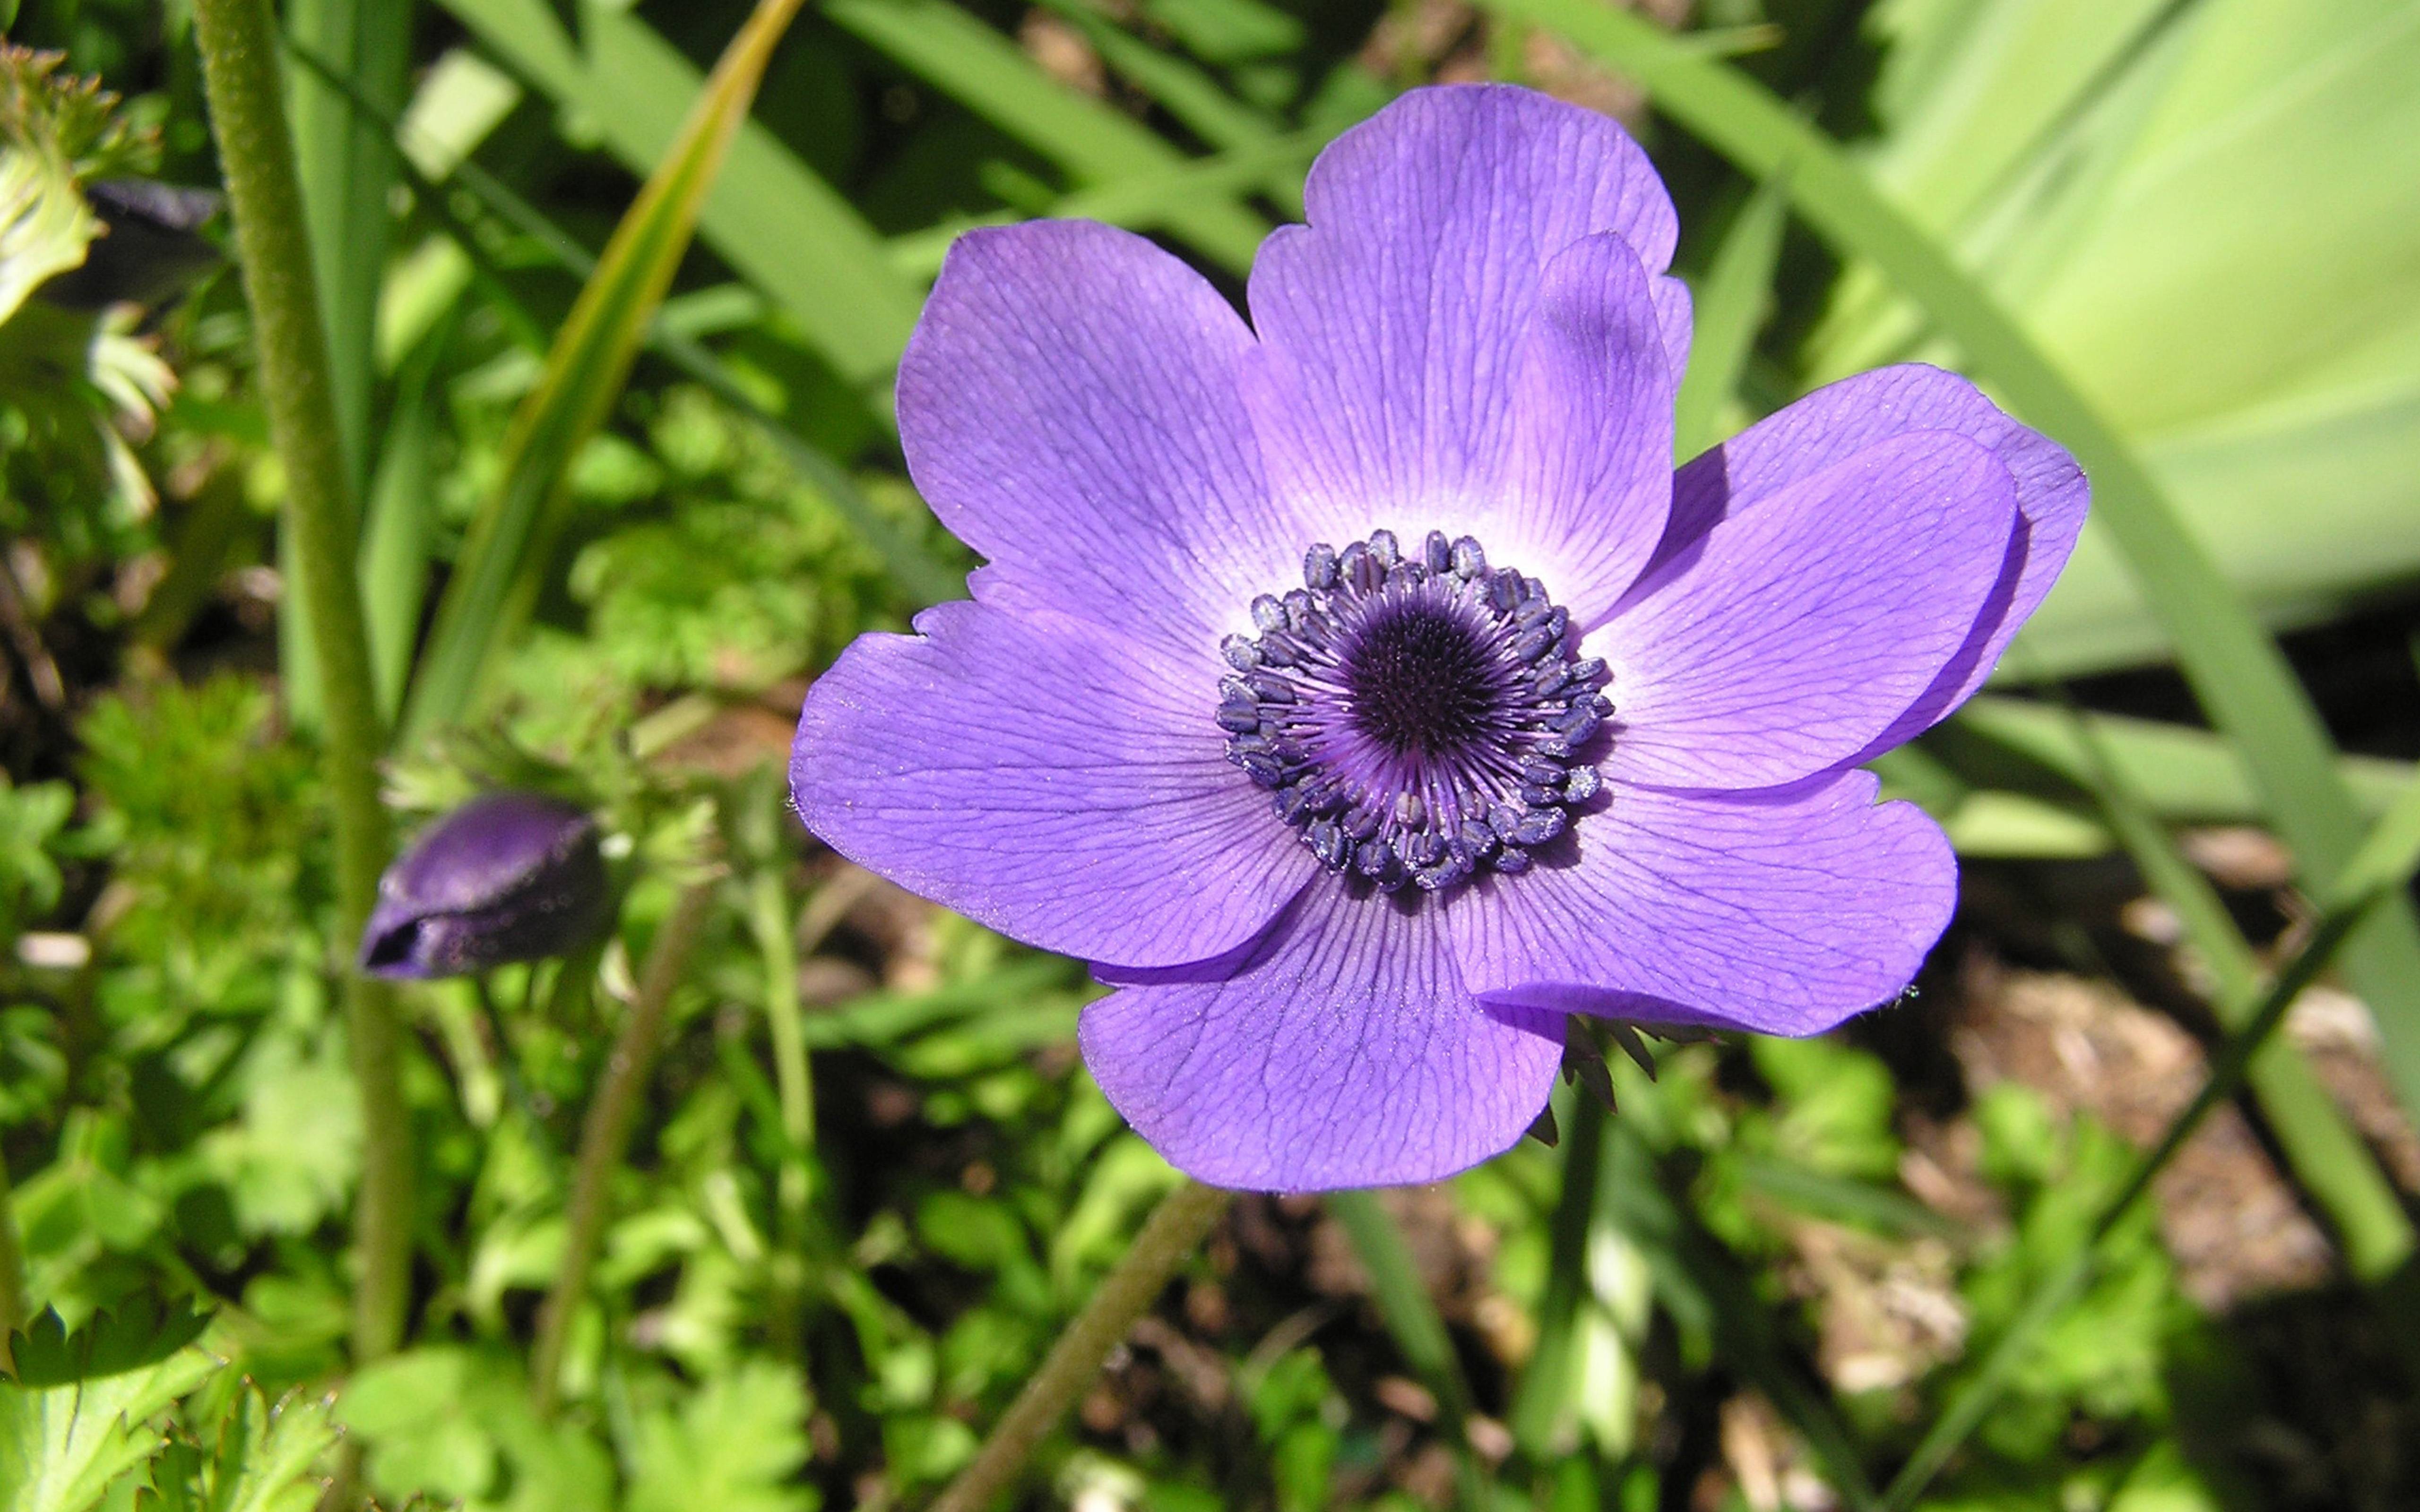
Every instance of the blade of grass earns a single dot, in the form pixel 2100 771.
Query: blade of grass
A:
pixel 2181 773
pixel 344 167
pixel 1186 92
pixel 1144 202
pixel 2234 667
pixel 2329 1159
pixel 397 534
pixel 769 216
pixel 1411 1317
pixel 919 575
pixel 2380 867
pixel 1732 307
pixel 985 72
pixel 346 164
pixel 504 560
pixel 1547 1381
pixel 1698 1277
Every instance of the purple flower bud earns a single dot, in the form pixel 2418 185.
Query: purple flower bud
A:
pixel 510 876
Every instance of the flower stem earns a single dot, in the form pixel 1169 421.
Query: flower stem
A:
pixel 1177 1224
pixel 238 47
pixel 12 1272
pixel 605 1136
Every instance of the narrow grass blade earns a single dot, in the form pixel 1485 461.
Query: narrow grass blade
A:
pixel 784 229
pixel 2329 1159
pixel 1186 92
pixel 1411 1317
pixel 497 577
pixel 2234 667
pixel 1696 1274
pixel 1547 1381
pixel 346 164
pixel 2380 866
pixel 1146 202
pixel 1732 307
pixel 2181 773
pixel 919 574
pixel 983 70
pixel 396 533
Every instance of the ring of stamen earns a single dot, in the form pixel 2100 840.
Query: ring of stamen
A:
pixel 1415 717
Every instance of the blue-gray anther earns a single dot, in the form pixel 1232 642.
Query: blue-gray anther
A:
pixel 1319 567
pixel 1415 717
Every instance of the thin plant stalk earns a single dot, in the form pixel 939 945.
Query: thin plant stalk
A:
pixel 772 922
pixel 1181 1221
pixel 605 1137
pixel 12 1271
pixel 238 40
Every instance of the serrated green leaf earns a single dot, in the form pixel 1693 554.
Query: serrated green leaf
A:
pixel 736 1444
pixel 61 1447
pixel 140 1331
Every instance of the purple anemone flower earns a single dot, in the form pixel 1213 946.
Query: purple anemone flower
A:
pixel 508 876
pixel 1360 690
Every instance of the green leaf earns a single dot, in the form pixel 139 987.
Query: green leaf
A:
pixel 783 229
pixel 455 1425
pixel 2234 667
pixel 62 1447
pixel 504 559
pixel 345 165
pixel 1411 1316
pixel 736 1444
pixel 985 72
pixel 140 1331
pixel 2329 1158
pixel 1732 306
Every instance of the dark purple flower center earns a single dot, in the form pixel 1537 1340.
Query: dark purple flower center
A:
pixel 1415 717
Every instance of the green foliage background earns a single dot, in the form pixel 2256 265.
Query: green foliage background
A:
pixel 871 1181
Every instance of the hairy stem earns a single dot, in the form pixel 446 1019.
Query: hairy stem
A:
pixel 1174 1227
pixel 605 1136
pixel 238 46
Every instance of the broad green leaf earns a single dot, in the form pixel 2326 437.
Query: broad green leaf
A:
pixel 985 72
pixel 770 217
pixel 62 1447
pixel 506 554
pixel 2234 669
pixel 2209 232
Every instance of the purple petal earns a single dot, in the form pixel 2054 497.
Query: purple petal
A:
pixel 1069 406
pixel 1783 911
pixel 1030 773
pixel 1589 479
pixel 1396 324
pixel 1340 1050
pixel 1834 424
pixel 1789 636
